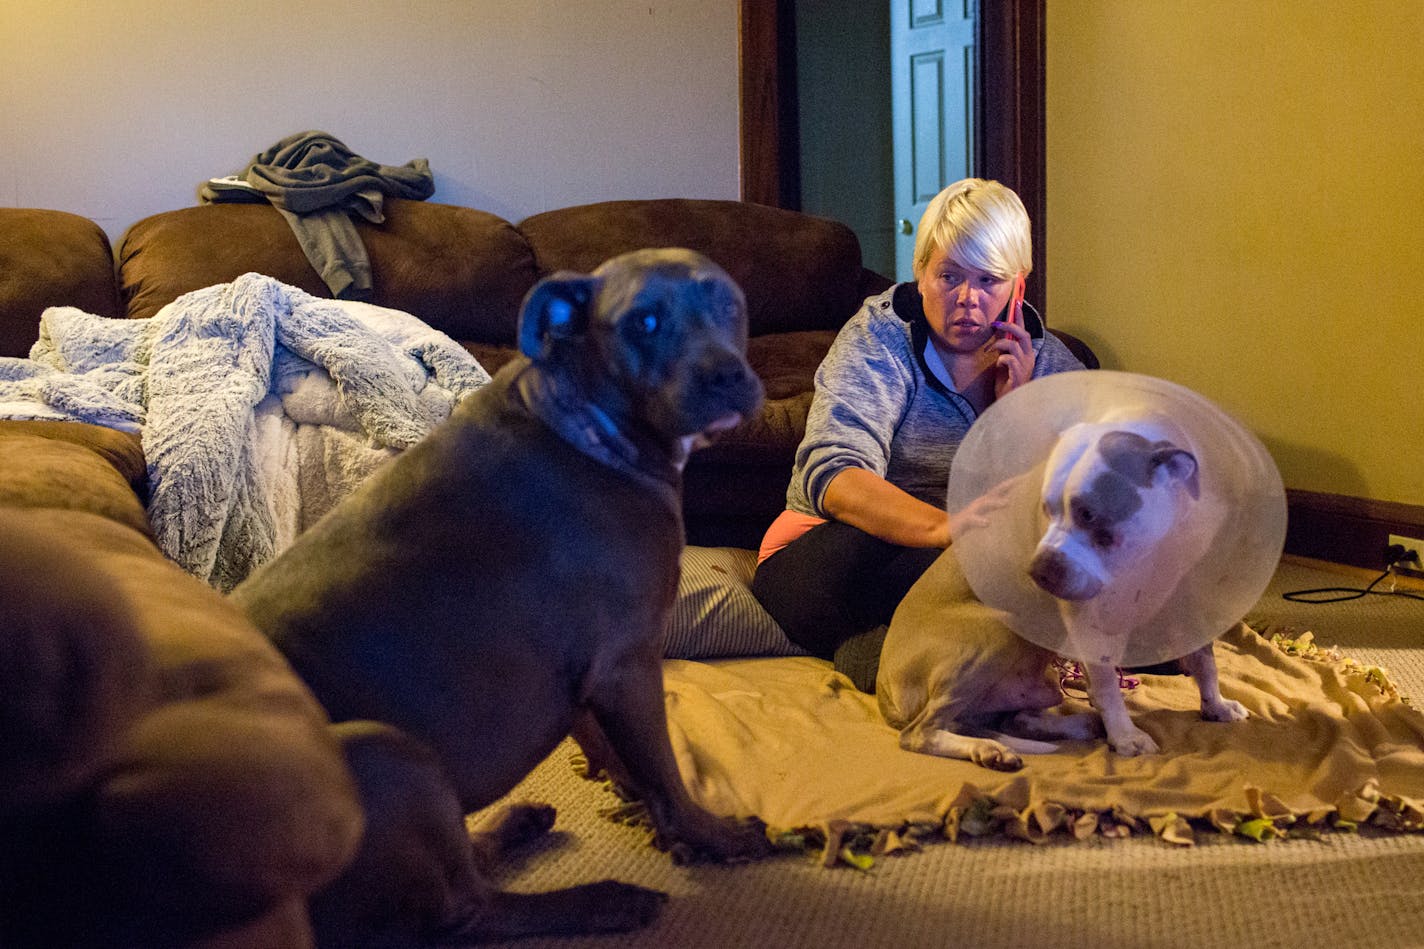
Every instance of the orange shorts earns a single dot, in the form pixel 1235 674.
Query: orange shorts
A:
pixel 788 526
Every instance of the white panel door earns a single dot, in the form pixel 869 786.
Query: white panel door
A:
pixel 932 73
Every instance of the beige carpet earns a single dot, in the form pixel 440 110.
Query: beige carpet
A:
pixel 1364 889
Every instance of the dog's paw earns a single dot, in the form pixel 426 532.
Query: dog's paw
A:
pixel 518 824
pixel 497 834
pixel 613 907
pixel 1132 743
pixel 1224 710
pixel 995 756
pixel 716 840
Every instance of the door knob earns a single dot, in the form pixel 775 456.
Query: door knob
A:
pixel 904 226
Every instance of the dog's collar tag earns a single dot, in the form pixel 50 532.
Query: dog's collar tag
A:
pixel 1214 559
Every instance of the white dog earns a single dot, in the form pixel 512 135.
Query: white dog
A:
pixel 958 683
pixel 1125 521
pixel 1121 520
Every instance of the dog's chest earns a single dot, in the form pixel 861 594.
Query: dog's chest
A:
pixel 568 532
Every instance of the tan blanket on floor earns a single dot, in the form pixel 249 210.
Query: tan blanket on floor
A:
pixel 1329 744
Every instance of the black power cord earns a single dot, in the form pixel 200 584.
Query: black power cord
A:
pixel 1395 554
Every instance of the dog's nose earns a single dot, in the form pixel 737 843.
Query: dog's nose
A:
pixel 1057 576
pixel 732 377
pixel 728 374
pixel 1047 570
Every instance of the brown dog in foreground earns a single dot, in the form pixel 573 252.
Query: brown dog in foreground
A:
pixel 509 577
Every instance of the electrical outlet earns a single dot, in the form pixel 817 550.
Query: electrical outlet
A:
pixel 1415 565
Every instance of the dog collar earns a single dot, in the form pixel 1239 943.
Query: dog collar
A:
pixel 1227 546
pixel 590 430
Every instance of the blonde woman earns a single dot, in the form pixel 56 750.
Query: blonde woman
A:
pixel 895 395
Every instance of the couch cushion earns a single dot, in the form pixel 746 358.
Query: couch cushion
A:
pixel 73 466
pixel 228 796
pixel 786 363
pixel 715 614
pixel 799 272
pixel 463 271
pixel 49 258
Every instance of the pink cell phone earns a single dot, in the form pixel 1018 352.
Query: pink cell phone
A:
pixel 1014 301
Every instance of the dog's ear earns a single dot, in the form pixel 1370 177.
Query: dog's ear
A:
pixel 1179 464
pixel 556 309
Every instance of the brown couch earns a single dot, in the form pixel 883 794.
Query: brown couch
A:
pixel 465 272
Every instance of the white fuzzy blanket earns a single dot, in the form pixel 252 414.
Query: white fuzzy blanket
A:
pixel 260 406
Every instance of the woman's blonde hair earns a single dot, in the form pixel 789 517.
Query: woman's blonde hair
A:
pixel 977 223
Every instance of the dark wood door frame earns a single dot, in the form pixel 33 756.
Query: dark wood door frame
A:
pixel 766 53
pixel 1009 125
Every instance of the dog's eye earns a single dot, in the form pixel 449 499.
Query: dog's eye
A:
pixel 646 321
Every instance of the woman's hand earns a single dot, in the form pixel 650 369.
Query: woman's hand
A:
pixel 978 513
pixel 1016 356
pixel 865 500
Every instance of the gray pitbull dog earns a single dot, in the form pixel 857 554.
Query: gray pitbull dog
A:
pixel 508 580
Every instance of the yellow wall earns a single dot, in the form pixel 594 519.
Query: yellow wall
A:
pixel 1236 203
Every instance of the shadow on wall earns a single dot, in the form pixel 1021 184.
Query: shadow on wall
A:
pixel 1108 358
pixel 452 189
pixel 1325 468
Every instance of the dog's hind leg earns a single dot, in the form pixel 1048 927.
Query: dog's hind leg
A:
pixel 498 833
pixel 1201 666
pixel 929 734
pixel 985 752
pixel 417 881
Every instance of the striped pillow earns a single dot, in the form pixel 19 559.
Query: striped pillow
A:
pixel 715 614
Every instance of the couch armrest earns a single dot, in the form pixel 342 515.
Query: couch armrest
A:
pixel 215 798
pixel 50 258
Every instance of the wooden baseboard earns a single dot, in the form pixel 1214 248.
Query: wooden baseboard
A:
pixel 1360 575
pixel 1347 530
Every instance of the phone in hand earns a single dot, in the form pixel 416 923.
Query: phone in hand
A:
pixel 1014 301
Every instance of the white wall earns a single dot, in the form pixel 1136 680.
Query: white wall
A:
pixel 117 109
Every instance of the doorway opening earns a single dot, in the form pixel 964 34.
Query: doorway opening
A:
pixel 1007 133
